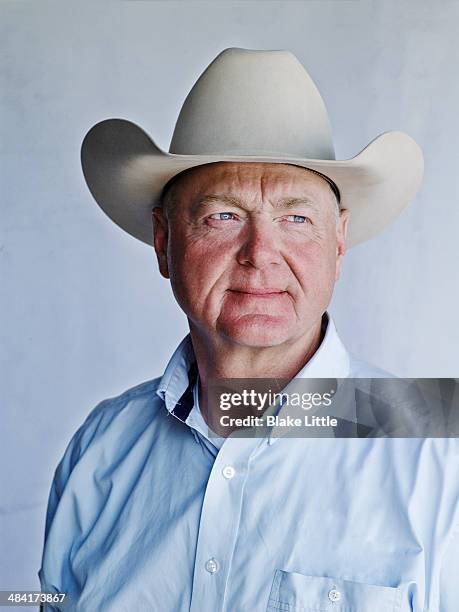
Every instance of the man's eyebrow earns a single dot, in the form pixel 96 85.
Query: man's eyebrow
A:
pixel 292 202
pixel 211 198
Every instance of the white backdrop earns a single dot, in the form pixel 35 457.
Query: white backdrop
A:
pixel 84 312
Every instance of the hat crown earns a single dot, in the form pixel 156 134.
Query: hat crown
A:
pixel 260 103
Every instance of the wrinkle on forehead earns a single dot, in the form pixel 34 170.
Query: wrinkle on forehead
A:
pixel 251 185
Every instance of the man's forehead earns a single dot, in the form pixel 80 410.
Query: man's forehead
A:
pixel 248 177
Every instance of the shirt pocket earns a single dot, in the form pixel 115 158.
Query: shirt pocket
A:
pixel 295 592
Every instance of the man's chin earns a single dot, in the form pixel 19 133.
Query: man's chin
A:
pixel 257 331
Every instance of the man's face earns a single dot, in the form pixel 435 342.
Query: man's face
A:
pixel 252 250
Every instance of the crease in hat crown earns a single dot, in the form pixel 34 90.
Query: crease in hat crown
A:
pixel 254 103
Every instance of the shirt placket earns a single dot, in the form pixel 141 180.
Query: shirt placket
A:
pixel 219 523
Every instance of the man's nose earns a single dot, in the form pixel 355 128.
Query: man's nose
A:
pixel 260 244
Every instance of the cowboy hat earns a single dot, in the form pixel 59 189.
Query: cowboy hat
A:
pixel 249 106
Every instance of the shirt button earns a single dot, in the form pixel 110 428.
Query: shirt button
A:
pixel 334 595
pixel 228 471
pixel 212 565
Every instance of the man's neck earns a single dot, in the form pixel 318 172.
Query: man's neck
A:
pixel 218 358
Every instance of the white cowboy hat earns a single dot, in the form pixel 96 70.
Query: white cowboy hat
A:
pixel 249 106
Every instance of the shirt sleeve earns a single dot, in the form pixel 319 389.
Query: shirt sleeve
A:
pixel 61 475
pixel 50 580
pixel 57 485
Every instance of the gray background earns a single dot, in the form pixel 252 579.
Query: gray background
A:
pixel 84 312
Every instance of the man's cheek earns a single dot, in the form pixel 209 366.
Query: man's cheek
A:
pixel 315 272
pixel 201 269
pixel 207 257
pixel 307 258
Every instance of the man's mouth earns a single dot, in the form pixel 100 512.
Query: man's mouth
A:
pixel 259 291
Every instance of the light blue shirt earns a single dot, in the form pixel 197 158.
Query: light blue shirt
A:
pixel 147 512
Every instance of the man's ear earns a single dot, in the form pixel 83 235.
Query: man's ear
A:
pixel 160 239
pixel 341 231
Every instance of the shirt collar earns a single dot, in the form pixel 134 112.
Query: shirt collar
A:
pixel 331 360
pixel 176 385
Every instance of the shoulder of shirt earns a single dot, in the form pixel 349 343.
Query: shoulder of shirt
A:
pixel 132 398
pixel 141 391
pixel 446 447
pixel 134 407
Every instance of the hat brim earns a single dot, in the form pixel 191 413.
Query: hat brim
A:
pixel 126 172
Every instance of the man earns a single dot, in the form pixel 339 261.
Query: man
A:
pixel 151 510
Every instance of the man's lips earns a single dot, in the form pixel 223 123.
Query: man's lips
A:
pixel 260 292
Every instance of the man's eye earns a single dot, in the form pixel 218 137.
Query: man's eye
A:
pixel 297 218
pixel 223 216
